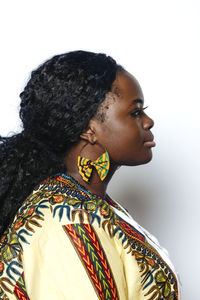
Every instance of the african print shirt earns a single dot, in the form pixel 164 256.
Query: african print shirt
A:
pixel 67 243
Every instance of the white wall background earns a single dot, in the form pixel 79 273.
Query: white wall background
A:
pixel 158 42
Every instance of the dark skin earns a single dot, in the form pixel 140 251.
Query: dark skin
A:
pixel 125 134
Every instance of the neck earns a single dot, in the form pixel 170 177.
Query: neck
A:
pixel 95 185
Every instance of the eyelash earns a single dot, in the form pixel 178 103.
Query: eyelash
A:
pixel 137 112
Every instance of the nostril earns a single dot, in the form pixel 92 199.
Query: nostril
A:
pixel 150 126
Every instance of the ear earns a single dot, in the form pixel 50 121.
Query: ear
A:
pixel 89 133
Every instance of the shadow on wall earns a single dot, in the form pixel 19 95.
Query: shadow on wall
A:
pixel 136 190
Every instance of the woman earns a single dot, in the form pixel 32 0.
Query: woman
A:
pixel 63 237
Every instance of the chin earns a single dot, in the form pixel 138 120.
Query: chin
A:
pixel 148 158
pixel 146 161
pixel 137 163
pixel 142 161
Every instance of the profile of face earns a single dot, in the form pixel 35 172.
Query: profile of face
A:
pixel 125 132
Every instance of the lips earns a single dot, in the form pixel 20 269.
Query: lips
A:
pixel 149 142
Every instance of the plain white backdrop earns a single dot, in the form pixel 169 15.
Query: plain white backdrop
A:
pixel 158 42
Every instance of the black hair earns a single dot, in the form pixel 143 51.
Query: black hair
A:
pixel 60 98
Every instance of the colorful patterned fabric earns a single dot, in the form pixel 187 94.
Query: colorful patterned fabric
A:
pixel 67 243
pixel 101 164
pixel 90 251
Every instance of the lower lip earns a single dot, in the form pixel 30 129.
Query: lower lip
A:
pixel 150 144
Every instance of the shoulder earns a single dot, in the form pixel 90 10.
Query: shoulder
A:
pixel 69 202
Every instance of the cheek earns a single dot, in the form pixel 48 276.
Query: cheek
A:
pixel 128 134
pixel 123 140
pixel 125 144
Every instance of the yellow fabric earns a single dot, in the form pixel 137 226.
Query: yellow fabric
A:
pixel 61 274
pixel 53 268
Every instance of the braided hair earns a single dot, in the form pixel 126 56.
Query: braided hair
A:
pixel 60 98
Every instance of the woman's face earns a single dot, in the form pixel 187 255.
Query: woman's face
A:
pixel 125 132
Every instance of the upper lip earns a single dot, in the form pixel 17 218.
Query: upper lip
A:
pixel 149 138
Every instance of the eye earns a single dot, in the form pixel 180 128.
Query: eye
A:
pixel 138 112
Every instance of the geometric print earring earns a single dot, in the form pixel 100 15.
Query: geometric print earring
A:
pixel 101 164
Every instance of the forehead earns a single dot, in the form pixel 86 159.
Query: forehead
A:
pixel 127 87
pixel 120 100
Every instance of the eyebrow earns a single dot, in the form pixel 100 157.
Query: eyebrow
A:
pixel 135 101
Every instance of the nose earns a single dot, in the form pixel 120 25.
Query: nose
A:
pixel 148 123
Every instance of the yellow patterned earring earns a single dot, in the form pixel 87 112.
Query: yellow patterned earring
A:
pixel 101 164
